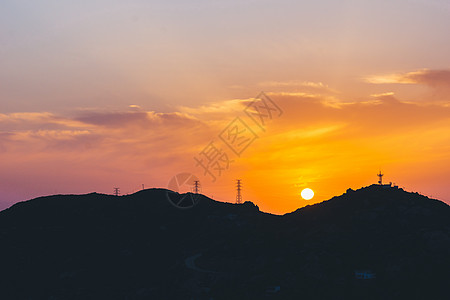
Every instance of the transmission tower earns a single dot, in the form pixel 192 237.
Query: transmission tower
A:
pixel 116 191
pixel 238 189
pixel 380 176
pixel 196 187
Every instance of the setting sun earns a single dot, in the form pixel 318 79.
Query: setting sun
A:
pixel 307 194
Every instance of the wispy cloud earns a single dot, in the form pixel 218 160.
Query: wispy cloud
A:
pixel 298 85
pixel 216 108
pixel 295 83
pixel 382 94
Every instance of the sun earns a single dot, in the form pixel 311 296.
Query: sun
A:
pixel 307 194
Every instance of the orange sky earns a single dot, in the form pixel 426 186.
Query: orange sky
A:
pixel 98 94
pixel 319 141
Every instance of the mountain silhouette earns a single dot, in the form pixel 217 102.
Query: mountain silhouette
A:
pixel 140 246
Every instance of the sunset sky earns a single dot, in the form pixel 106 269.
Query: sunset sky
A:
pixel 101 94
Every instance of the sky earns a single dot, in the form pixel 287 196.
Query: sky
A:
pixel 101 94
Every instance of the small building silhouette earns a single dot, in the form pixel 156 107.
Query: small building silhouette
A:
pixel 383 185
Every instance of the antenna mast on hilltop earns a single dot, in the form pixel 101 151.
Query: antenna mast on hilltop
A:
pixel 116 191
pixel 380 176
pixel 238 195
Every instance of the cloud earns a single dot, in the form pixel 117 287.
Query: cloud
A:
pixel 113 119
pixel 382 115
pixel 134 107
pixel 380 95
pixel 190 127
pixel 32 120
pixel 295 94
pixel 217 108
pixel 298 85
pixel 390 78
pixel 110 131
pixel 434 78
pixel 379 114
pixel 120 119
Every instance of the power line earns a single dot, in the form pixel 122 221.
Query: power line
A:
pixel 238 189
pixel 196 188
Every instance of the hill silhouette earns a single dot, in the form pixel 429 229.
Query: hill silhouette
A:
pixel 139 246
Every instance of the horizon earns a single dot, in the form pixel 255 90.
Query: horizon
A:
pixel 286 95
pixel 383 186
